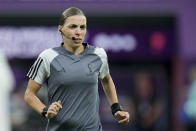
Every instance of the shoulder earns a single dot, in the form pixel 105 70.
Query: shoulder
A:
pixel 48 54
pixel 99 51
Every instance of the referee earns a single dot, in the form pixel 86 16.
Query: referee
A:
pixel 71 73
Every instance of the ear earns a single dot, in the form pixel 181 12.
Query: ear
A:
pixel 59 28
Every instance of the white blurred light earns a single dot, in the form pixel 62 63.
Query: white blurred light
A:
pixel 27 42
pixel 115 42
pixel 24 42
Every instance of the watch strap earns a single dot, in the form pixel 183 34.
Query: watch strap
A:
pixel 44 112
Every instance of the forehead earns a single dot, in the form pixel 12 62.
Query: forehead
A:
pixel 76 19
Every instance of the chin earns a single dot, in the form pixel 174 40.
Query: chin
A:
pixel 77 44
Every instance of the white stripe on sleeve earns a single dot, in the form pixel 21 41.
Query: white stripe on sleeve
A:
pixel 40 70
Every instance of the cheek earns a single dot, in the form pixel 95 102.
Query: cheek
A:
pixel 84 33
pixel 69 32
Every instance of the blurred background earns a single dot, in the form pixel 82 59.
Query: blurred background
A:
pixel 151 50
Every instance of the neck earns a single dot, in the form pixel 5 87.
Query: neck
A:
pixel 75 50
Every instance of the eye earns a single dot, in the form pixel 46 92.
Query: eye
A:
pixel 83 27
pixel 73 26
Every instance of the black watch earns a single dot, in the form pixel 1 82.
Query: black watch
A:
pixel 44 112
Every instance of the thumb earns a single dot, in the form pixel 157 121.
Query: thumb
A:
pixel 59 101
pixel 120 115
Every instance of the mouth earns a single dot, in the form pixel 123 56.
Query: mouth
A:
pixel 77 40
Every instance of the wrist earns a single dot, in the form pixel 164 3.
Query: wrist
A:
pixel 116 107
pixel 44 112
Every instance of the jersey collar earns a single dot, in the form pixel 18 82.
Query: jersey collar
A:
pixel 63 51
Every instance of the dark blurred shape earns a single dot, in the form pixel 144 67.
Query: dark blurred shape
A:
pixel 147 104
pixel 142 90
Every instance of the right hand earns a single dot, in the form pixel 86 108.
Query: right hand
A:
pixel 53 109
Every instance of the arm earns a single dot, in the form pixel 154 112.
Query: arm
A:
pixel 34 102
pixel 31 98
pixel 110 91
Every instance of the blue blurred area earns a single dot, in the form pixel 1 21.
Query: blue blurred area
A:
pixel 151 51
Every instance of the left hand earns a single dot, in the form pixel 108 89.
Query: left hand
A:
pixel 122 117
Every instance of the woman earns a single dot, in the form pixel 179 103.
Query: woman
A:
pixel 71 74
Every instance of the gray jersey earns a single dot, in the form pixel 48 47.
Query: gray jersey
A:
pixel 73 79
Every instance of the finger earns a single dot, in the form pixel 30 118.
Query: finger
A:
pixel 53 107
pixel 123 114
pixel 120 115
pixel 56 108
pixel 127 115
pixel 51 112
pixel 58 104
pixel 59 101
pixel 124 121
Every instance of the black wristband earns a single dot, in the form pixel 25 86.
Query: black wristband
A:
pixel 44 112
pixel 116 107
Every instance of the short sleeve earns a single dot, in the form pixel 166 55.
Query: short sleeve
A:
pixel 40 69
pixel 104 70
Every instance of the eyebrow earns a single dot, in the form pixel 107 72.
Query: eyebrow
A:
pixel 77 25
pixel 73 25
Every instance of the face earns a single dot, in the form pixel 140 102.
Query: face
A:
pixel 74 26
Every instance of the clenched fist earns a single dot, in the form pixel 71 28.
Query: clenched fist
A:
pixel 122 117
pixel 53 109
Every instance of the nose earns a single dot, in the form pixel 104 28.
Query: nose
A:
pixel 78 31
